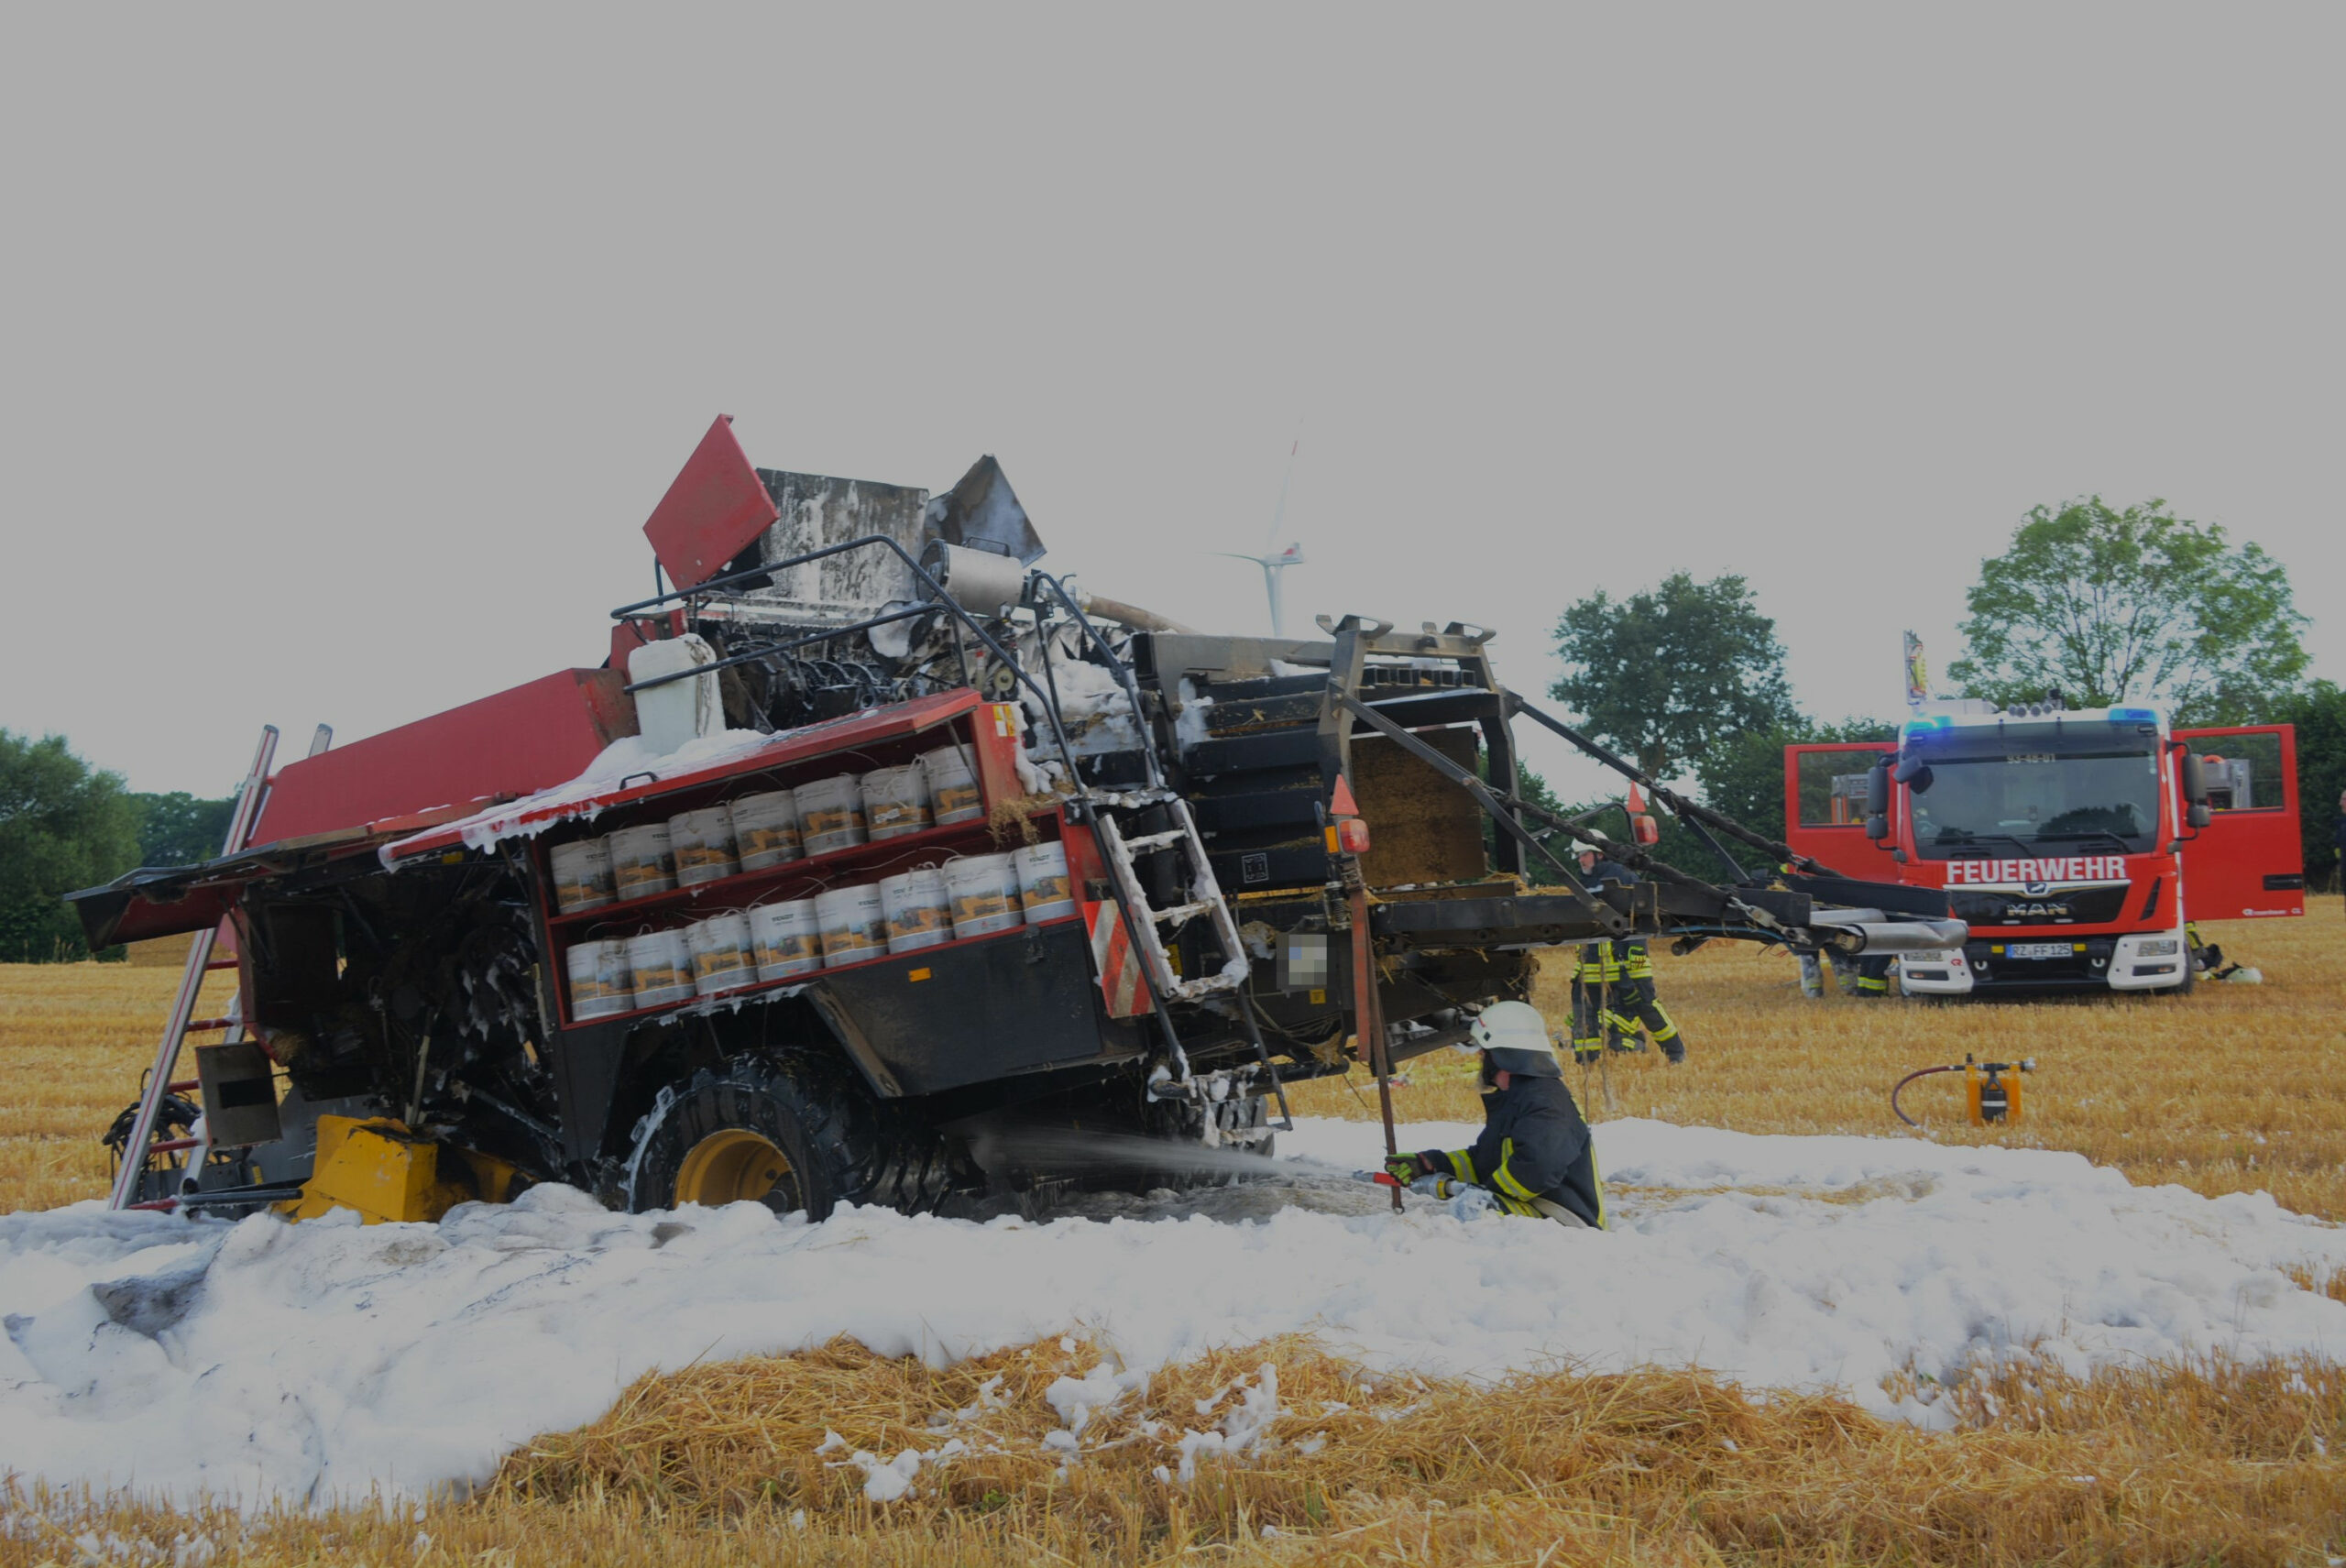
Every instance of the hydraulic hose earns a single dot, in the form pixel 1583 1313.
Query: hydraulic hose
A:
pixel 1919 1072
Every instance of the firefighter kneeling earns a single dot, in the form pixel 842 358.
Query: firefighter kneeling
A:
pixel 1535 1156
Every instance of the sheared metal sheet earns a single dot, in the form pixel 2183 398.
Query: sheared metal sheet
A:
pixel 814 511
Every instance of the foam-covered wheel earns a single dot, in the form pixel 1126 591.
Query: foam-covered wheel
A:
pixel 758 1131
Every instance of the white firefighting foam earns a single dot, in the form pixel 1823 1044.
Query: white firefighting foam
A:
pixel 268 1361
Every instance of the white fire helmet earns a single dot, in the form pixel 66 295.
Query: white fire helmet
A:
pixel 1516 1036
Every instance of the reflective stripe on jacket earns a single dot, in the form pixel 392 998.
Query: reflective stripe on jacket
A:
pixel 1535 1145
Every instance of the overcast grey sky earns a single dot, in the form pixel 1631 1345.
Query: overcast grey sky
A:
pixel 346 352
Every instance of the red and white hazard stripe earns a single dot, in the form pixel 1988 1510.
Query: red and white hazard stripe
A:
pixel 1123 985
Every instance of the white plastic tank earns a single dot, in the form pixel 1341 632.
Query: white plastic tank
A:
pixel 702 845
pixel 786 939
pixel 643 861
pixel 1042 882
pixel 953 793
pixel 983 891
pixel 854 925
pixel 673 714
pixel 582 876
pixel 896 801
pixel 765 829
pixel 662 968
pixel 720 949
pixel 915 906
pixel 830 813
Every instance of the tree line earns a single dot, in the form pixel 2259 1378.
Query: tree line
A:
pixel 2102 605
pixel 64 825
pixel 2097 604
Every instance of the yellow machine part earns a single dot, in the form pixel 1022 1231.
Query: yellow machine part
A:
pixel 383 1172
pixel 1973 1081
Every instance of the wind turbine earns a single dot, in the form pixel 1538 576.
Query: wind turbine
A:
pixel 1274 560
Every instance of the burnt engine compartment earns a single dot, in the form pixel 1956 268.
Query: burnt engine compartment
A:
pixel 415 991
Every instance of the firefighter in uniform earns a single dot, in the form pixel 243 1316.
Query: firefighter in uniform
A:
pixel 1873 976
pixel 1624 971
pixel 1535 1156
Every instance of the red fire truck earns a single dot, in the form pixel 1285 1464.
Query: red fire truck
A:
pixel 2079 846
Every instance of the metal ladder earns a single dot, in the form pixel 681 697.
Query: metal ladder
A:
pixel 1142 918
pixel 1204 893
pixel 142 1145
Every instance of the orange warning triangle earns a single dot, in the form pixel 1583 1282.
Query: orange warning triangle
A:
pixel 1637 798
pixel 1342 803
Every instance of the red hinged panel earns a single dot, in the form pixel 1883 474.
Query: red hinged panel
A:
pixel 516 742
pixel 714 509
pixel 1813 826
pixel 2248 861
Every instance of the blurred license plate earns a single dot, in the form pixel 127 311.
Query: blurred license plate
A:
pixel 2037 950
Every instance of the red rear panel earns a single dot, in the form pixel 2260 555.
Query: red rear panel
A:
pixel 712 511
pixel 2249 863
pixel 1825 807
pixel 517 743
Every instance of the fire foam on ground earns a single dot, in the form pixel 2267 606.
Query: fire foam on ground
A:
pixel 263 1360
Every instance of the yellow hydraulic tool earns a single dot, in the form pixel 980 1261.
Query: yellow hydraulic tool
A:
pixel 1988 1097
pixel 384 1172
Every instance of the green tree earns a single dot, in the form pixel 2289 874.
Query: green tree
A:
pixel 2320 714
pixel 177 829
pixel 63 826
pixel 1744 776
pixel 2132 605
pixel 1669 675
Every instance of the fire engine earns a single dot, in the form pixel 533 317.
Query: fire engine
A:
pixel 2079 846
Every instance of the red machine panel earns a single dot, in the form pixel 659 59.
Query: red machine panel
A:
pixel 1825 806
pixel 2249 862
pixel 517 743
pixel 714 509
pixel 997 757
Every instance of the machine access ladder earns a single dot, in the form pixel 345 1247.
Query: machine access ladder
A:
pixel 1201 892
pixel 1146 921
pixel 141 1146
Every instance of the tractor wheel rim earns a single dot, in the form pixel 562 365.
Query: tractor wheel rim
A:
pixel 734 1165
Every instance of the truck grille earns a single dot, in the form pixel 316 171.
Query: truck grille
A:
pixel 2087 906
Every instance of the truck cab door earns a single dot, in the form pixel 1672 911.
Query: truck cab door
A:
pixel 2248 862
pixel 1824 819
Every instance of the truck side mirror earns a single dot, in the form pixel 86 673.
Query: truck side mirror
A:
pixel 2197 815
pixel 1878 801
pixel 2195 778
pixel 1914 773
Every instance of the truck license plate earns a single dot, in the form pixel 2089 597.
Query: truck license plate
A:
pixel 2037 950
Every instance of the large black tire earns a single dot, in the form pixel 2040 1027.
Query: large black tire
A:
pixel 782 1132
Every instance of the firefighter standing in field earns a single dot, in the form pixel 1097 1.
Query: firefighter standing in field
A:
pixel 1613 989
pixel 1535 1156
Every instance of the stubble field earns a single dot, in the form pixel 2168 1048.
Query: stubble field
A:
pixel 2233 1089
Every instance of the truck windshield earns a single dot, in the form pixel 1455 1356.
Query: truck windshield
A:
pixel 2087 785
